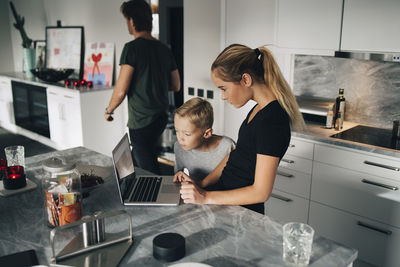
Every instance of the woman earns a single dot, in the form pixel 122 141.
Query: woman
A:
pixel 246 176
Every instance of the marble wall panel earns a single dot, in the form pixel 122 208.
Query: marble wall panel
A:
pixel 371 89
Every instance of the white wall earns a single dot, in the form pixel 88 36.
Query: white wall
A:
pixel 6 57
pixel 102 21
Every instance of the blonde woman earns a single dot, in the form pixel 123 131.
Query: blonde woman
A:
pixel 246 176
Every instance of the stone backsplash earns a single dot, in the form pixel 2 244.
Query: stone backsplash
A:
pixel 371 89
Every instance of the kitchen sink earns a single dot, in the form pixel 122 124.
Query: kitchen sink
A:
pixel 370 135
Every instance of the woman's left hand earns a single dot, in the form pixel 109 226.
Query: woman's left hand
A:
pixel 191 193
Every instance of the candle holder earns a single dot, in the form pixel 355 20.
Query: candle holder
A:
pixel 14 177
pixel 3 166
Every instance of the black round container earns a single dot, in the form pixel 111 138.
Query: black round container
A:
pixel 169 247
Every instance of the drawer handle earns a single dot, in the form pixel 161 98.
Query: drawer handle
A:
pixel 292 145
pixel 366 225
pixel 51 93
pixel 288 160
pixel 281 197
pixel 394 188
pixel 67 96
pixel 382 165
pixel 288 175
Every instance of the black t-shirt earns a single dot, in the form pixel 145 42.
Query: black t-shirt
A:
pixel 268 133
pixel 153 63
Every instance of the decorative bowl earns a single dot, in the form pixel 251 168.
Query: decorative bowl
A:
pixel 52 75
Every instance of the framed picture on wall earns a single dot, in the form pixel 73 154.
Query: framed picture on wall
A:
pixel 40 55
pixel 65 49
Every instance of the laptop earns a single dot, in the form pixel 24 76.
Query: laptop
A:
pixel 143 190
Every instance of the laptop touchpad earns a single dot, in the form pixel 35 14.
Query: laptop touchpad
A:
pixel 169 188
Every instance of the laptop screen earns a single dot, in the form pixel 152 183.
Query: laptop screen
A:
pixel 122 158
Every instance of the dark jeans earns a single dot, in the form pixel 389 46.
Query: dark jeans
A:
pixel 145 144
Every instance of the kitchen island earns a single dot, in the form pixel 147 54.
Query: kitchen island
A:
pixel 215 235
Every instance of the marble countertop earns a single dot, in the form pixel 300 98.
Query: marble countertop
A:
pixel 319 133
pixel 19 76
pixel 215 235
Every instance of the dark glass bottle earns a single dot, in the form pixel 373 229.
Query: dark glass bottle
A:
pixel 339 106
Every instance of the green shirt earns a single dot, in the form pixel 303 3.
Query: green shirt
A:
pixel 153 63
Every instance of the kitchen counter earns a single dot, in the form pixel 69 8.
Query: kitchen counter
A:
pixel 215 235
pixel 21 77
pixel 319 133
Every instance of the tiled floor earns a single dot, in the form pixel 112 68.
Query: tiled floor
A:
pixel 32 147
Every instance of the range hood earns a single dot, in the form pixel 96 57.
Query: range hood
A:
pixel 364 55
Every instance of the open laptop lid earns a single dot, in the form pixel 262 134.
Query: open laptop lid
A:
pixel 123 166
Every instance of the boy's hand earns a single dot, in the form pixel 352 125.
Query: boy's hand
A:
pixel 180 177
pixel 191 193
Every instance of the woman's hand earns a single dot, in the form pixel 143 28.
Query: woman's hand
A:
pixel 192 193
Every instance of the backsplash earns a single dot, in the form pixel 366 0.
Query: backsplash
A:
pixel 371 89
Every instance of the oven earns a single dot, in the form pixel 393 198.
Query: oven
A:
pixel 30 107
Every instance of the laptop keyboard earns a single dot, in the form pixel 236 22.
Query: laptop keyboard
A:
pixel 146 189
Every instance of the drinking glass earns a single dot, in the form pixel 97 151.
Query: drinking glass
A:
pixel 15 155
pixel 297 243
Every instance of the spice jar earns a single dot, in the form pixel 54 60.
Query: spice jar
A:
pixel 62 192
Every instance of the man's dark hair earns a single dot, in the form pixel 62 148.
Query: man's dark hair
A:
pixel 140 12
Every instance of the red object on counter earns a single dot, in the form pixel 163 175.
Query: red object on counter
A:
pixel 14 177
pixel 3 166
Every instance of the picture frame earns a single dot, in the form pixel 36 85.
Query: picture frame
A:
pixel 40 53
pixel 65 49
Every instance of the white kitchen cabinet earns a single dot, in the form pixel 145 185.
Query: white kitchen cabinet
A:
pixel 369 196
pixel 286 207
pixel 290 197
pixel 355 200
pixel 64 117
pixel 77 119
pixel 371 25
pixel 377 243
pixel 6 103
pixel 309 24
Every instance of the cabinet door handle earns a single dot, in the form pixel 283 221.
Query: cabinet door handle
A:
pixel 288 160
pixel 51 93
pixel 281 197
pixel 372 227
pixel 394 188
pixel 381 165
pixel 292 145
pixel 288 175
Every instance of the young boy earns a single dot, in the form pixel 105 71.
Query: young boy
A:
pixel 197 149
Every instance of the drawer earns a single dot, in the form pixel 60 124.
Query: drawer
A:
pixel 286 207
pixel 362 194
pixel 293 182
pixel 296 163
pixel 300 148
pixel 66 95
pixel 359 161
pixel 377 243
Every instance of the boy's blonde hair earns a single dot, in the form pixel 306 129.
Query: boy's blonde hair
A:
pixel 199 112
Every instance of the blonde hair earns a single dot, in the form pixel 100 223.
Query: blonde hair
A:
pixel 260 64
pixel 198 111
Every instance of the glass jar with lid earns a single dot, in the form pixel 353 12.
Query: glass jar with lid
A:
pixel 62 191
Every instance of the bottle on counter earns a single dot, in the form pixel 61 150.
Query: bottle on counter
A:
pixel 329 118
pixel 339 106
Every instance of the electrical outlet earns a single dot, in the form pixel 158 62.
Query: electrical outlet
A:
pixel 396 58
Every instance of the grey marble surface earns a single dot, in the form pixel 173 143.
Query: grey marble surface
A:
pixel 215 235
pixel 371 88
pixel 21 77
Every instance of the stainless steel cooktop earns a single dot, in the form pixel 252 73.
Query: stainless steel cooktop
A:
pixel 370 135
